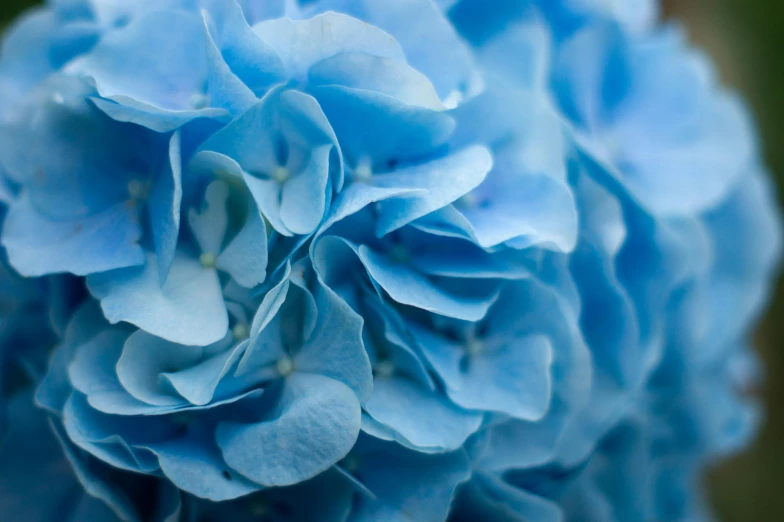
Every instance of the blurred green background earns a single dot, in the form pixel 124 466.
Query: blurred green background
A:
pixel 746 38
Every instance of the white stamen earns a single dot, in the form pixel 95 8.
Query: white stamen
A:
pixel 385 368
pixel 281 174
pixel 208 260
pixel 240 331
pixel 285 366
pixel 364 169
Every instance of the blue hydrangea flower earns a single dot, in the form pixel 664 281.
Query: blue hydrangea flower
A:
pixel 413 260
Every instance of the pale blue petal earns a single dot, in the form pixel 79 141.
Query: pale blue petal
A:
pixel 188 309
pixel 168 46
pixel 445 180
pixel 361 70
pixel 335 347
pixel 245 257
pixel 265 344
pixel 490 498
pixel 409 132
pixel 144 358
pixel 38 245
pixel 408 287
pixel 209 225
pixel 302 43
pixel 194 464
pixel 511 376
pixel 199 384
pixel 164 208
pixel 428 421
pixel 225 90
pixel 313 426
pixel 408 485
pixel 248 56
pixel 429 40
pixel 128 110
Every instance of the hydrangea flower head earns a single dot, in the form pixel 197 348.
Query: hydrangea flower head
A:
pixel 360 260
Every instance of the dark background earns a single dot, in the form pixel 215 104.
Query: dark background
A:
pixel 746 38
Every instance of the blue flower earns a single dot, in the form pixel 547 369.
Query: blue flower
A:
pixel 412 260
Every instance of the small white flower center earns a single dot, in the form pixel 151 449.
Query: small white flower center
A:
pixel 138 189
pixel 240 331
pixel 473 347
pixel 364 170
pixel 385 368
pixel 285 366
pixel 199 100
pixel 208 260
pixel 350 463
pixel 469 200
pixel 281 174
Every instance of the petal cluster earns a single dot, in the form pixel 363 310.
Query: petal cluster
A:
pixel 362 260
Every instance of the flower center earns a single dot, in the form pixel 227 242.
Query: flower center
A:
pixel 364 170
pixel 208 260
pixel 473 346
pixel 469 200
pixel 281 174
pixel 285 366
pixel 200 100
pixel 240 331
pixel 138 189
pixel 385 368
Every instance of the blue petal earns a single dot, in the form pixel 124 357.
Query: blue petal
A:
pixel 427 421
pixel 313 426
pixel 374 73
pixel 226 90
pixel 265 345
pixel 38 245
pixel 444 180
pixel 164 208
pixel 74 161
pixel 512 376
pixel 35 481
pixel 99 434
pixel 86 322
pixel 194 464
pixel 209 225
pixel 145 358
pixel 295 204
pixel 357 196
pixel 169 46
pixel 410 132
pixel 490 498
pixel 109 500
pixel 429 40
pixel 25 59
pixel 128 110
pixel 302 43
pixel 409 287
pixel 335 347
pixel 408 485
pixel 245 257
pixel 248 56
pixel 187 309
pixel 533 209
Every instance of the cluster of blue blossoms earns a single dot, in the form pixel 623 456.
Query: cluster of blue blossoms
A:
pixel 372 260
